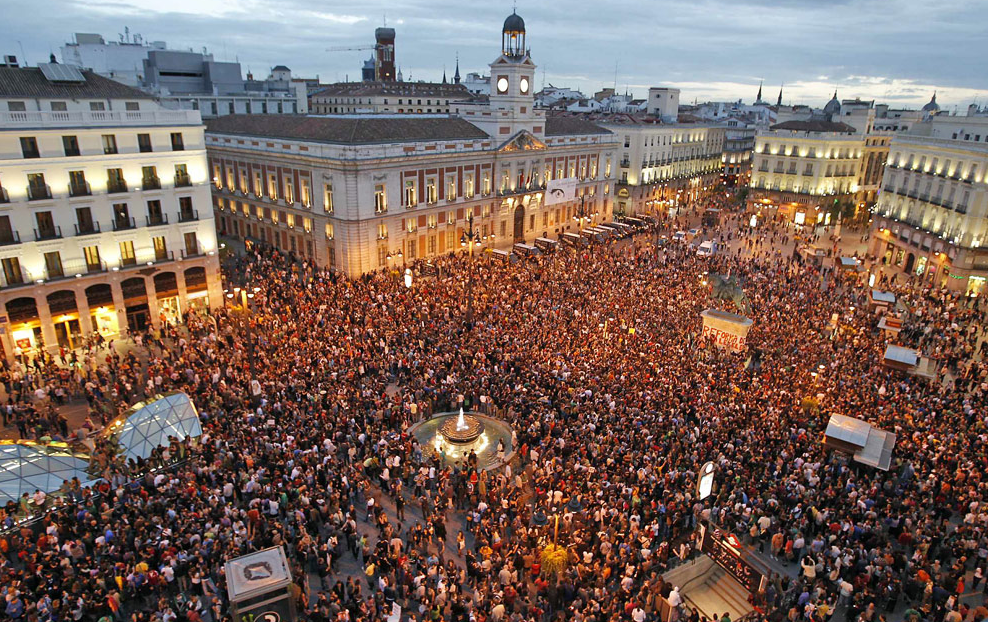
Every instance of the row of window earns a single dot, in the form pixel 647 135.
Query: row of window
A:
pixel 842 153
pixel 231 107
pixel 841 170
pixel 665 139
pixel 258 187
pixel 92 262
pixel 957 170
pixel 61 106
pixel 46 229
pixel 411 196
pixel 70 145
pixel 38 189
pixel 358 101
pixel 265 213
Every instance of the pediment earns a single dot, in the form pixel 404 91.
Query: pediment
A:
pixel 522 141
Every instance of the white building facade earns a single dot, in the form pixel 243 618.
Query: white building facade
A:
pixel 931 219
pixel 801 168
pixel 664 166
pixel 358 193
pixel 105 219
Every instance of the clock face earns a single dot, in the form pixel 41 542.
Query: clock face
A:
pixel 502 85
pixel 524 85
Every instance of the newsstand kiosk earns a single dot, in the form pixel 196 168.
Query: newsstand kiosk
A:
pixel 260 587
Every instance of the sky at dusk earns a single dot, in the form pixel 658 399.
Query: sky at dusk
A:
pixel 893 51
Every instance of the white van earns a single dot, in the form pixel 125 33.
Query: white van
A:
pixel 526 250
pixel 707 249
pixel 679 236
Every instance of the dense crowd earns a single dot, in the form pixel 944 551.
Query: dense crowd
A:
pixel 595 359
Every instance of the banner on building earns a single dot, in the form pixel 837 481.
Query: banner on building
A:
pixel 560 190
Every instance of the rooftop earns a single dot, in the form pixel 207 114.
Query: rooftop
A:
pixel 814 125
pixel 30 82
pixel 397 89
pixel 347 130
pixel 570 126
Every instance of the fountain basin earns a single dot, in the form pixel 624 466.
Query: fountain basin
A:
pixel 461 430
pixel 490 431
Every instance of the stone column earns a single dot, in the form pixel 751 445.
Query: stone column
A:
pixel 183 292
pixel 85 314
pixel 47 324
pixel 153 310
pixel 119 306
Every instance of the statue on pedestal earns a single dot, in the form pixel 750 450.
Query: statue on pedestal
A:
pixel 728 288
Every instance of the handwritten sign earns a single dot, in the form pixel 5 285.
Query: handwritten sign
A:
pixel 724 339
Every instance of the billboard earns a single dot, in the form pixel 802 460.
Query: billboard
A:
pixel 560 190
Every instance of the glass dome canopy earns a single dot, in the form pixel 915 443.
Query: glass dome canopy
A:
pixel 26 466
pixel 150 424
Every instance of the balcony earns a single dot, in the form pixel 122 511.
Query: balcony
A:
pixel 113 186
pixel 151 183
pixel 123 224
pixel 10 237
pixel 46 233
pixel 157 220
pixel 182 181
pixel 87 228
pixel 80 189
pixel 192 252
pixel 104 118
pixel 188 215
pixel 72 269
pixel 625 163
pixel 20 278
pixel 38 193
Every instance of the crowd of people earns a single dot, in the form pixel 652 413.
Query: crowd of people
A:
pixel 594 357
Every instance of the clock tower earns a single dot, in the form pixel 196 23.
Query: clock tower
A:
pixel 512 98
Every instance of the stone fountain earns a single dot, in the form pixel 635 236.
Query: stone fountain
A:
pixel 451 436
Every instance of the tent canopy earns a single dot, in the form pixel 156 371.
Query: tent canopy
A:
pixel 148 425
pixel 26 466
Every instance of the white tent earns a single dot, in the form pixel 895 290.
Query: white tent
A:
pixel 148 425
pixel 26 466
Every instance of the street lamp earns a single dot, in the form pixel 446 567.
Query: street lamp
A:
pixel 581 214
pixel 469 239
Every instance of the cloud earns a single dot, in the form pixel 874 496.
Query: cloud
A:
pixel 896 49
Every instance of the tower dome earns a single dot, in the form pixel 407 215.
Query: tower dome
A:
pixel 833 106
pixel 514 23
pixel 513 36
pixel 933 106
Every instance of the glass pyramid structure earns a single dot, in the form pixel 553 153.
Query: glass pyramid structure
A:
pixel 150 424
pixel 26 466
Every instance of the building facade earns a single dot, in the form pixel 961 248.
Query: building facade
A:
pixel 187 80
pixel 739 143
pixel 104 210
pixel 358 193
pixel 931 219
pixel 663 166
pixel 802 169
pixel 388 98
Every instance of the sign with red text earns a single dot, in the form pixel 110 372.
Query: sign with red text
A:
pixel 726 330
